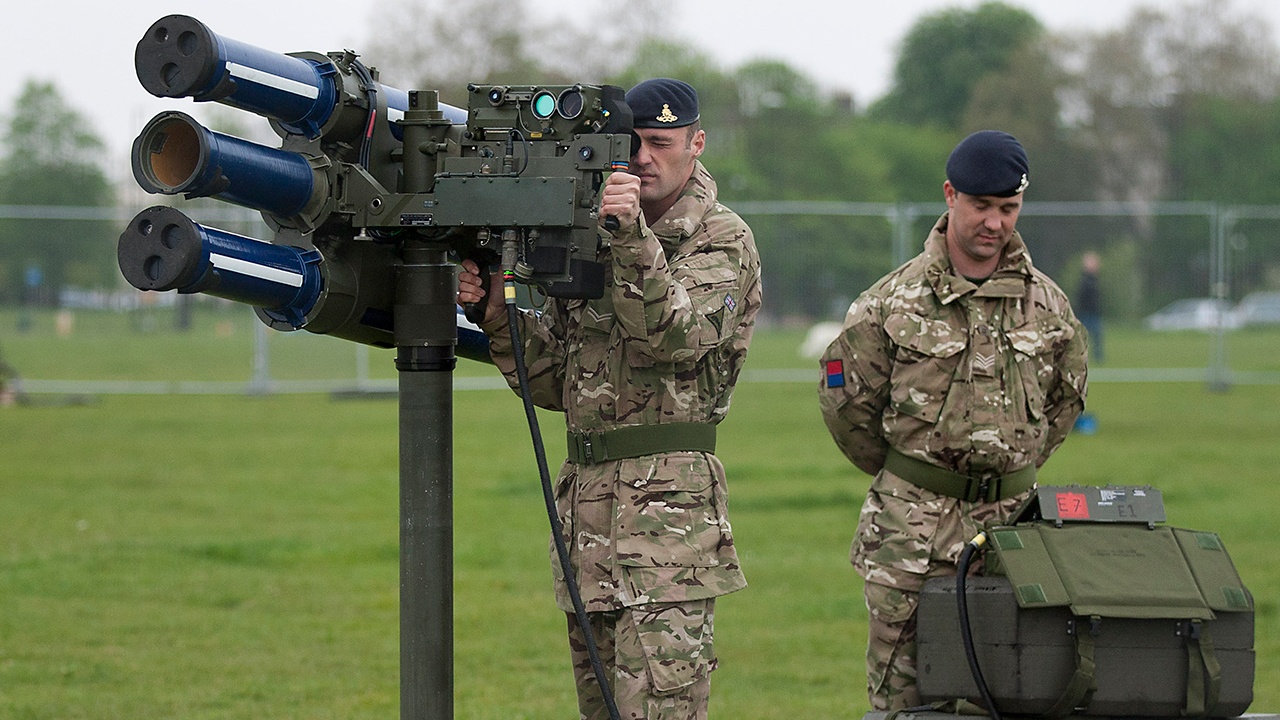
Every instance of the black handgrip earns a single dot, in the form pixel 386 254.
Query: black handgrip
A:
pixel 474 312
pixel 486 265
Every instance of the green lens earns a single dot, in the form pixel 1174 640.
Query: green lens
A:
pixel 543 105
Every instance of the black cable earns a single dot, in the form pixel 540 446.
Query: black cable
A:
pixel 548 495
pixel 524 142
pixel 370 88
pixel 966 632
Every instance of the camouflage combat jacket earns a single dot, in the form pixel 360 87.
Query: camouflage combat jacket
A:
pixel 665 344
pixel 976 379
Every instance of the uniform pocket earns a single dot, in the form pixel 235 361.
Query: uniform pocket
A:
pixel 562 490
pixel 677 643
pixel 896 531
pixel 712 286
pixel 889 605
pixel 1035 344
pixel 889 637
pixel 667 512
pixel 925 356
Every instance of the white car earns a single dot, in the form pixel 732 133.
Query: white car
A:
pixel 1259 308
pixel 1194 314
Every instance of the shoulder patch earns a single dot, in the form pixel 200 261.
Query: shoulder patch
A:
pixel 835 373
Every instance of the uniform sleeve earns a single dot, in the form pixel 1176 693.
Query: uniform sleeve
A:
pixel 678 311
pixel 854 388
pixel 1065 401
pixel 544 352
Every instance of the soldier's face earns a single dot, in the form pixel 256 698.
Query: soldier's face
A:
pixel 979 225
pixel 664 162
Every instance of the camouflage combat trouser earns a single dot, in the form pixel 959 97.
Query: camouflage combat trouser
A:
pixel 907 535
pixel 891 647
pixel 658 660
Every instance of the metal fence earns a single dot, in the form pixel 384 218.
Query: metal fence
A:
pixel 1222 253
pixel 1219 252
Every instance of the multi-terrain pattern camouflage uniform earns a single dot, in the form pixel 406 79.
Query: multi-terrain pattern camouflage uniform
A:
pixel 979 379
pixel 664 345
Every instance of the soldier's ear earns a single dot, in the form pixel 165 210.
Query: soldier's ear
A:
pixel 698 143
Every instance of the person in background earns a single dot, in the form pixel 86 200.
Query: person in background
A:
pixel 1088 303
pixel 8 383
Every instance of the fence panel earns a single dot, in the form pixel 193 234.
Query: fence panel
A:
pixel 816 256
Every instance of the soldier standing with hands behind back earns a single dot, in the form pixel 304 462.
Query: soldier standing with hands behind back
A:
pixel 955 377
pixel 643 376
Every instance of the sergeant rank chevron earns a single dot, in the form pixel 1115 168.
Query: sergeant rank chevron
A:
pixel 984 364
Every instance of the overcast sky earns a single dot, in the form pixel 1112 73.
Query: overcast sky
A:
pixel 86 46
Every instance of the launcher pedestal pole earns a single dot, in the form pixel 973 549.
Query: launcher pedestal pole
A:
pixel 425 332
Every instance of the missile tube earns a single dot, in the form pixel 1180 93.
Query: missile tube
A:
pixel 293 288
pixel 162 249
pixel 180 56
pixel 176 155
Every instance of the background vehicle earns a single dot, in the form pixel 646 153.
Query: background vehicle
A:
pixel 1194 314
pixel 1259 308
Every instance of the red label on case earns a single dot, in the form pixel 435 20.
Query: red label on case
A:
pixel 1073 506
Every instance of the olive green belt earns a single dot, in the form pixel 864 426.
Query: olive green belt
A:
pixel 636 440
pixel 952 484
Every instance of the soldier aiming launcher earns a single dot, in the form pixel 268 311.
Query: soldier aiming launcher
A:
pixel 370 192
pixel 364 171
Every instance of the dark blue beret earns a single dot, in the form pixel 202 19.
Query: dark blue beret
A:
pixel 988 162
pixel 663 103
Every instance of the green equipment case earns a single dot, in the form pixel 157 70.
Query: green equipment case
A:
pixel 1091 608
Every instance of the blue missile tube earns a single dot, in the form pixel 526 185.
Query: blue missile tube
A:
pixel 180 56
pixel 473 344
pixel 162 249
pixel 176 155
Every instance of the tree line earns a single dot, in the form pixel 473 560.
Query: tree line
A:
pixel 1178 104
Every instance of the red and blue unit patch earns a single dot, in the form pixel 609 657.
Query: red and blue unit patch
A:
pixel 835 373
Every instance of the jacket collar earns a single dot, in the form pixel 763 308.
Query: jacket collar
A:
pixel 1009 279
pixel 680 222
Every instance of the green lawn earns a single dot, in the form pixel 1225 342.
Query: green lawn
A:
pixel 205 557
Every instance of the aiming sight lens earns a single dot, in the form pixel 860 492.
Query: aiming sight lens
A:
pixel 570 103
pixel 544 104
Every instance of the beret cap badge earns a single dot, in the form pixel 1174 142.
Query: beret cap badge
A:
pixel 666 115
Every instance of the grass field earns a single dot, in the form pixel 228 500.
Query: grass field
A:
pixel 204 557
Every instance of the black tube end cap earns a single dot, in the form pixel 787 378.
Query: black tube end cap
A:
pixel 177 57
pixel 160 250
